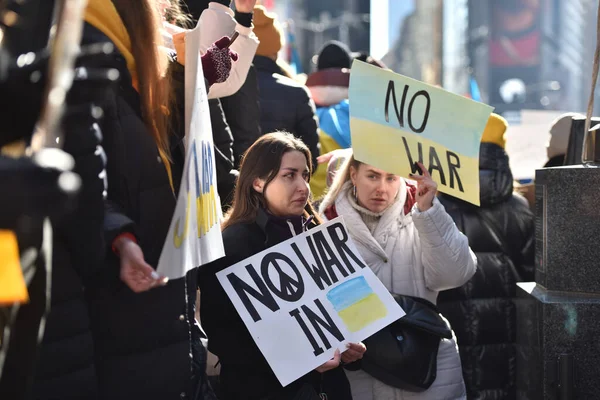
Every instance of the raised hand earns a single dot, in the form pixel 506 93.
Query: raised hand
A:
pixel 426 189
pixel 216 63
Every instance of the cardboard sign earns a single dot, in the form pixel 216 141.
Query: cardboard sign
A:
pixel 396 121
pixel 306 297
pixel 194 236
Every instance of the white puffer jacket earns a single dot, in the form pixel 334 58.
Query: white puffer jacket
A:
pixel 418 254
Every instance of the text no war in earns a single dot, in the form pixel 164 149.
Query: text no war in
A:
pixel 306 297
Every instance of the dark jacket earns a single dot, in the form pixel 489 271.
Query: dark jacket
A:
pixel 286 105
pixel 223 145
pixel 64 366
pixel 245 374
pixel 148 344
pixel 482 312
pixel 242 111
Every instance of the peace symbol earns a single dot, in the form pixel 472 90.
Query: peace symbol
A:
pixel 290 289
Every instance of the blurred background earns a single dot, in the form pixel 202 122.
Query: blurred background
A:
pixel 512 54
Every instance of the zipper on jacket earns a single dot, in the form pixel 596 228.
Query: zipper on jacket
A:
pixel 291 226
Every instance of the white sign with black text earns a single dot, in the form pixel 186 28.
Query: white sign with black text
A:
pixel 306 297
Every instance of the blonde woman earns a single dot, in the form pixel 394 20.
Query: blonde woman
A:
pixel 411 243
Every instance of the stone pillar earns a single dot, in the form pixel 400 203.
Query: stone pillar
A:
pixel 558 329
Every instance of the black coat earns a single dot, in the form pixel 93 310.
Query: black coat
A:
pixel 245 374
pixel 147 344
pixel 65 362
pixel 286 105
pixel 223 145
pixel 482 312
pixel 242 111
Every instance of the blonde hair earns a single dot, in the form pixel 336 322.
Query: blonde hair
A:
pixel 341 177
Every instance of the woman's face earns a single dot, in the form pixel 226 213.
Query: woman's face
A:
pixel 287 194
pixel 375 189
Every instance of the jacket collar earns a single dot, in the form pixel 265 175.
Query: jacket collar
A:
pixel 359 230
pixel 279 229
pixel 266 64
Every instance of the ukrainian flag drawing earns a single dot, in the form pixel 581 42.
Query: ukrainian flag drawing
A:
pixel 357 304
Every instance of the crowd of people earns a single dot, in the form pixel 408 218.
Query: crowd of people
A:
pixel 115 329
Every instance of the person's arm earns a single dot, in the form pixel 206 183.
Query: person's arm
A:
pixel 448 261
pixel 218 21
pixel 306 126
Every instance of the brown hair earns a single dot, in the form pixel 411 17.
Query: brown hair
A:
pixel 263 160
pixel 143 23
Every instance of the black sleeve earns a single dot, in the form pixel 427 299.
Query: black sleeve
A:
pixel 306 126
pixel 115 222
pixel 244 19
pixel 242 111
pixel 222 136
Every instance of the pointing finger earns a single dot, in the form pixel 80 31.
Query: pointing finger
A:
pixel 424 170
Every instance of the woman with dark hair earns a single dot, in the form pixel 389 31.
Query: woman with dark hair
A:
pixel 148 345
pixel 271 204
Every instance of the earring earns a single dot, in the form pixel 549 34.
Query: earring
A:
pixel 354 192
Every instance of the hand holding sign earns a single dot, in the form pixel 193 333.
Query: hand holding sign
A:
pixel 396 122
pixel 426 188
pixel 331 364
pixel 309 299
pixel 354 353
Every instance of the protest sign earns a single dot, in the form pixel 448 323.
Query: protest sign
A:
pixel 194 236
pixel 396 121
pixel 306 297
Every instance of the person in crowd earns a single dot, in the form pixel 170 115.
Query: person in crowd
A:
pixel 501 233
pixel 285 104
pixel 147 343
pixel 329 88
pixel 412 245
pixel 560 131
pixel 57 266
pixel 271 204
pixel 235 118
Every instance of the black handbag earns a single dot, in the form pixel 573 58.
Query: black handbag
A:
pixel 404 354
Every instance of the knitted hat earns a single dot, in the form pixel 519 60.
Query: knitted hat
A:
pixel 494 130
pixel 269 32
pixel 560 132
pixel 334 54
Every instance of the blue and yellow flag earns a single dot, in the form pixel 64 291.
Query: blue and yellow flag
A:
pixel 396 121
pixel 357 304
